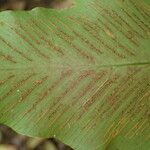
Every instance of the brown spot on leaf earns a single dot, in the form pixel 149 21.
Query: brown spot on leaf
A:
pixel 109 33
pixel 1 81
pixel 38 81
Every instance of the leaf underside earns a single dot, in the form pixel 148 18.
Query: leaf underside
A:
pixel 81 74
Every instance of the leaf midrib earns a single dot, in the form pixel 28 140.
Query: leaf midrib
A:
pixel 24 67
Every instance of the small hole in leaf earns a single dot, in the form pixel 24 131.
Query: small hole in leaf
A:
pixel 30 4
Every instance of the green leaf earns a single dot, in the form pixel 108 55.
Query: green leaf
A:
pixel 80 74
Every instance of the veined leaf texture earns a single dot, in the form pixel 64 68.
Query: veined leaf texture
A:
pixel 80 74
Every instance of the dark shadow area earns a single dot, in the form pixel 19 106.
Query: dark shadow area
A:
pixel 10 140
pixel 30 4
